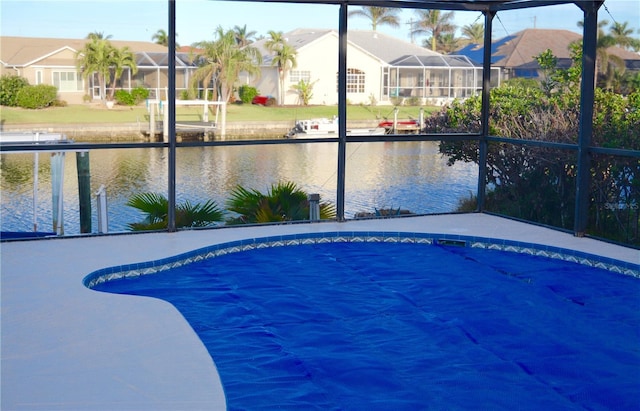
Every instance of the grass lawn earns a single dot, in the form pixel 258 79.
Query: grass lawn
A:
pixel 83 113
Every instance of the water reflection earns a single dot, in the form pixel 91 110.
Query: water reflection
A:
pixel 410 175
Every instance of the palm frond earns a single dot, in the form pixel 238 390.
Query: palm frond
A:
pixel 155 205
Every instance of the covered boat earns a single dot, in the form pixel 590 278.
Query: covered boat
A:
pixel 325 127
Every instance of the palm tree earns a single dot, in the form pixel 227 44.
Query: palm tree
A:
pixel 222 61
pixel 622 35
pixel 95 57
pixel 606 64
pixel 435 23
pixel 283 202
pixel 378 16
pixel 448 43
pixel 473 33
pixel 161 37
pixel 98 35
pixel 243 37
pixel 275 40
pixel 121 59
pixel 156 208
pixel 284 57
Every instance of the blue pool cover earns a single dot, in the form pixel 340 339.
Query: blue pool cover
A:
pixel 378 326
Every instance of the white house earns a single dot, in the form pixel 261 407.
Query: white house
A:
pixel 380 69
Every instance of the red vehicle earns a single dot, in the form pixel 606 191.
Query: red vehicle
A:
pixel 264 100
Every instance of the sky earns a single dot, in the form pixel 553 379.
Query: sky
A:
pixel 196 20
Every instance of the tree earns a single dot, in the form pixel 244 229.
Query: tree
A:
pixel 473 33
pixel 161 37
pixel 243 37
pixel 448 43
pixel 100 56
pixel 222 61
pixel 607 65
pixel 622 35
pixel 378 16
pixel 95 57
pixel 121 59
pixel 434 23
pixel 538 183
pixel 98 35
pixel 284 57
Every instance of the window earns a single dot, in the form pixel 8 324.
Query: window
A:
pixel 295 76
pixel 39 77
pixel 67 81
pixel 355 81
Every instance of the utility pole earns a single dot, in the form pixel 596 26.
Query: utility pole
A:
pixel 410 24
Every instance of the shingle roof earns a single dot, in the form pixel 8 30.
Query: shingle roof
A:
pixel 21 51
pixel 385 47
pixel 519 50
pixel 382 46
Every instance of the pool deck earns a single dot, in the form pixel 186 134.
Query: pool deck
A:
pixel 65 347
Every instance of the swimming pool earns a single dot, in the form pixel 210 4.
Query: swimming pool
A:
pixel 404 321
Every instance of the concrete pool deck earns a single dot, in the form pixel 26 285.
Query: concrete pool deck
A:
pixel 65 347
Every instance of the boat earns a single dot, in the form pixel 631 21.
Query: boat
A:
pixel 327 127
pixel 410 126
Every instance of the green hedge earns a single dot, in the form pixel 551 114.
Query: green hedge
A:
pixel 247 93
pixel 38 96
pixel 9 87
pixel 136 96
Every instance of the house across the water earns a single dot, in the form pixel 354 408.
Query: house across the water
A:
pixel 53 61
pixel 380 69
pixel 515 55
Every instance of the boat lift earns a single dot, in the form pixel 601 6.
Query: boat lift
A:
pixel 157 108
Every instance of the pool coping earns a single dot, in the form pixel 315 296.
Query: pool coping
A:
pixel 216 250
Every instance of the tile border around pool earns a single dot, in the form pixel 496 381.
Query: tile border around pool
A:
pixel 152 267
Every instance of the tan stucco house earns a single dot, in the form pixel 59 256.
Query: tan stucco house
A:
pixel 53 61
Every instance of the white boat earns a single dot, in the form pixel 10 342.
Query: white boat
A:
pixel 325 127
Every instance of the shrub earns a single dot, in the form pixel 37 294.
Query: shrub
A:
pixel 124 98
pixel 247 93
pixel 305 91
pixel 59 103
pixel 283 202
pixel 38 96
pixel 139 94
pixel 136 96
pixel 9 88
pixel 185 95
pixel 414 101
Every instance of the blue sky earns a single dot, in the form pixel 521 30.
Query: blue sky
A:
pixel 197 19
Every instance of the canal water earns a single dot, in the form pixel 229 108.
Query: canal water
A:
pixel 407 175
